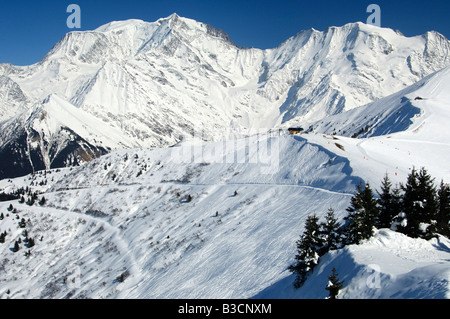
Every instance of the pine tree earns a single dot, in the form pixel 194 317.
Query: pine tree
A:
pixel 334 284
pixel 428 195
pixel 307 250
pixel 30 243
pixel 330 232
pixel 408 224
pixel 389 203
pixel 419 204
pixel 363 213
pixel 16 247
pixel 443 215
pixel 22 223
pixel 42 201
pixel 30 201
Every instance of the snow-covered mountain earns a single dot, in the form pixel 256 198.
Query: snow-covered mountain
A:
pixel 152 84
pixel 396 112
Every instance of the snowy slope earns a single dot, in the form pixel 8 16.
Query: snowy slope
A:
pixel 402 132
pixel 390 265
pixel 106 217
pixel 54 133
pixel 394 113
pixel 12 99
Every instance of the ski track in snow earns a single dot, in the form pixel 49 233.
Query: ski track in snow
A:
pixel 114 233
pixel 215 184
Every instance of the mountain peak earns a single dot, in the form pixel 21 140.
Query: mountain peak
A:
pixel 173 16
pixel 175 20
pixel 180 23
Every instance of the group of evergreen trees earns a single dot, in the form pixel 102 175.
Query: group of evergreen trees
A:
pixel 27 241
pixel 19 194
pixel 417 209
pixel 317 240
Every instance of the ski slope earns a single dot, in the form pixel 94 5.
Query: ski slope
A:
pixel 210 247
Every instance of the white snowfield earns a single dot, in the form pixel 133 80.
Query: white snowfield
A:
pixel 220 219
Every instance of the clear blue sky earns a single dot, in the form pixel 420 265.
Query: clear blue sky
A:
pixel 29 29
